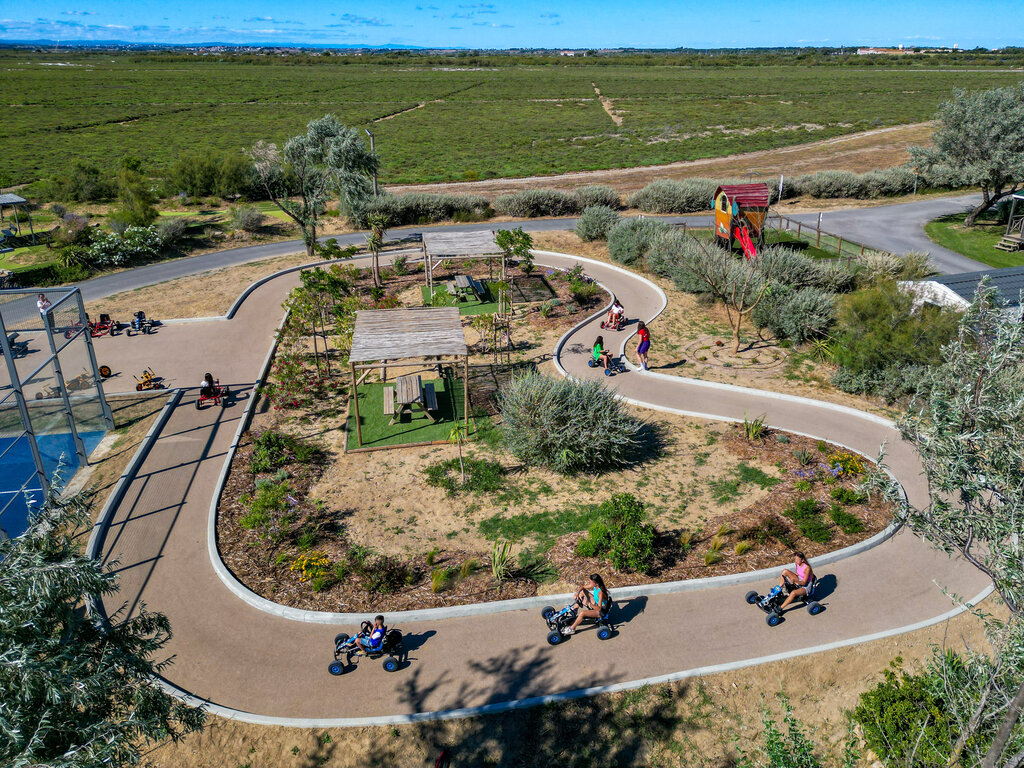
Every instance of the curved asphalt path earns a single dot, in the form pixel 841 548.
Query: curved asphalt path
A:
pixel 238 657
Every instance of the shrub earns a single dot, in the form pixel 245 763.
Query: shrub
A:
pixel 847 495
pixel 906 720
pixel 847 522
pixel 534 566
pixel 798 315
pixel 596 222
pixel 440 579
pixel 386 574
pixel 581 290
pixel 82 184
pixel 713 557
pixel 468 568
pixel 877 266
pixel 116 250
pixel 266 507
pixel 273 449
pixel 629 240
pixel 742 547
pixel 849 463
pixel 888 182
pixel 668 196
pixel 530 203
pixel 423 208
pixel 767 529
pixel 568 426
pixel 311 565
pixel 73 230
pixel 597 195
pixel 171 230
pixel 622 534
pixel 501 560
pixel 247 218
pixel 755 429
pixel 830 184
pixel 806 513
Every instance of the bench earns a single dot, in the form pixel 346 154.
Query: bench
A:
pixel 478 288
pixel 429 396
pixel 450 287
pixel 389 401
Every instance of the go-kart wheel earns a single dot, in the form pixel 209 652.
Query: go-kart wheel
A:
pixel 547 612
pixel 340 638
pixel 198 406
pixel 591 363
pixel 129 332
pixel 223 401
pixel 603 633
pixel 773 619
pixel 554 638
pixel 105 371
pixel 336 668
pixel 138 387
pixel 751 597
pixel 39 395
pixel 390 664
pixel 607 371
pixel 814 608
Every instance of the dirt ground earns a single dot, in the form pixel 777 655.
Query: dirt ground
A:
pixel 860 152
pixel 691 724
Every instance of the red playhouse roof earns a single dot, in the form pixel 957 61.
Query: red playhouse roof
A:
pixel 747 195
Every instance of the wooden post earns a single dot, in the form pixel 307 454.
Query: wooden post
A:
pixel 465 395
pixel 839 246
pixel 799 224
pixel 355 404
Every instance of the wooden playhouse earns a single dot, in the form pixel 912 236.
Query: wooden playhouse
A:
pixel 741 211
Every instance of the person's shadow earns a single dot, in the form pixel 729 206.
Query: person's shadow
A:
pixel 413 642
pixel 827 584
pixel 625 610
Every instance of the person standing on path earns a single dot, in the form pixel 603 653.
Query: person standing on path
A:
pixel 643 344
pixel 44 304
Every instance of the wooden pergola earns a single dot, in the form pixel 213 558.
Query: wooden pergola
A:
pixel 385 338
pixel 15 202
pixel 438 246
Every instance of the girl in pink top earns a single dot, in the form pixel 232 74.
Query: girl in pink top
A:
pixel 802 580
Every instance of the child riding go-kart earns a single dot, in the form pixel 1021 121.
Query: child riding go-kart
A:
pixel 771 603
pixel 373 641
pixel 615 365
pixel 616 319
pixel 210 391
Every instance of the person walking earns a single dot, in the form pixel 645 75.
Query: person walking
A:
pixel 643 343
pixel 44 304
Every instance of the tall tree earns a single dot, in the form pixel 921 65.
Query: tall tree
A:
pixel 980 139
pixel 969 434
pixel 329 158
pixel 78 692
pixel 134 195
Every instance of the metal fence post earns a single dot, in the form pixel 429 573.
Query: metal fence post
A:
pixel 26 420
pixel 107 415
pixel 62 387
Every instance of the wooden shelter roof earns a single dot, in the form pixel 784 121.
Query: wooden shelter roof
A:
pixel 747 195
pixel 12 199
pixel 476 243
pixel 397 334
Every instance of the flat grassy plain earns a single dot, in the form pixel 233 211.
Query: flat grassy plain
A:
pixel 442 124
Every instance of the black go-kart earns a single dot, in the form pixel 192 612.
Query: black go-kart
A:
pixel 558 620
pixel 140 324
pixel 347 648
pixel 615 365
pixel 771 603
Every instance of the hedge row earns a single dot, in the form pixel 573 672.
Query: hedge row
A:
pixel 530 203
pixel 423 208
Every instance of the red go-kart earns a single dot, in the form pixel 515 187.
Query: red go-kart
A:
pixel 219 397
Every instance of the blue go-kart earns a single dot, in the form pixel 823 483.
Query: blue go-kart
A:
pixel 558 620
pixel 771 603
pixel 347 648
pixel 615 365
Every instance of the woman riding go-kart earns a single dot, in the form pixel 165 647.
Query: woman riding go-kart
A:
pixel 592 604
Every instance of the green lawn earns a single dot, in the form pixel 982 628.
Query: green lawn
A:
pixel 472 306
pixel 773 237
pixel 977 243
pixel 418 429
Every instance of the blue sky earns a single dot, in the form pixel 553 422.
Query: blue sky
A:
pixel 524 23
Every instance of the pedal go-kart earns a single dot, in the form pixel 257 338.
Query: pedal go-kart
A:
pixel 618 325
pixel 558 620
pixel 771 603
pixel 77 384
pixel 140 324
pixel 96 327
pixel 219 397
pixel 148 380
pixel 615 365
pixel 347 648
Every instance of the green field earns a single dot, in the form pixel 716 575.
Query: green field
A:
pixel 475 122
pixel 978 242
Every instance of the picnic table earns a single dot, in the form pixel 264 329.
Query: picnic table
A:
pixel 408 392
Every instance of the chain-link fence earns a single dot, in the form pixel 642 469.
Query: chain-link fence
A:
pixel 52 409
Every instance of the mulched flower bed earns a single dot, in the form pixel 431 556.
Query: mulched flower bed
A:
pixel 263 563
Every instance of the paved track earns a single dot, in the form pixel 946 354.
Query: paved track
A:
pixel 241 658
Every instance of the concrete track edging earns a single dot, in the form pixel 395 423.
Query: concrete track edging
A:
pixel 496 606
pixel 580 693
pixel 99 530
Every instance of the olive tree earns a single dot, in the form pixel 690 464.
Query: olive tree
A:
pixel 77 691
pixel 969 434
pixel 329 158
pixel 979 138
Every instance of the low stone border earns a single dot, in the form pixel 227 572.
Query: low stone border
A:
pixel 99 530
pixel 495 606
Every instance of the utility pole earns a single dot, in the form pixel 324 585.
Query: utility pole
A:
pixel 372 152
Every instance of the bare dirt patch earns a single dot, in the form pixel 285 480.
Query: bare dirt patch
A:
pixel 691 724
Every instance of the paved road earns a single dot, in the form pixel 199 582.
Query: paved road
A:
pixel 900 228
pixel 239 657
pixel 896 228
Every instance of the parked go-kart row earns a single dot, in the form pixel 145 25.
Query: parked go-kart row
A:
pixel 105 325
